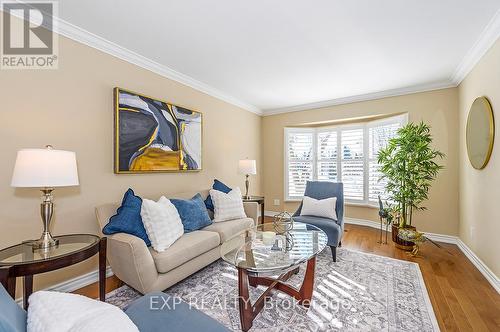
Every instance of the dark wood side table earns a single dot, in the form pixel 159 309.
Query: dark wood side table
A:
pixel 22 261
pixel 259 200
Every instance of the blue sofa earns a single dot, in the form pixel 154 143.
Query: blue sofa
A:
pixel 152 312
pixel 333 228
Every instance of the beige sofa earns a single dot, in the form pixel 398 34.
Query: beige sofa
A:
pixel 146 270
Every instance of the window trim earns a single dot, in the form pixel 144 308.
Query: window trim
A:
pixel 366 125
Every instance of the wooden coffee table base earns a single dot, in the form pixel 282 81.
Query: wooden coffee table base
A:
pixel 248 312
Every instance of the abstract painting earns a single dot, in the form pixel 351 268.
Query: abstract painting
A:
pixel 155 136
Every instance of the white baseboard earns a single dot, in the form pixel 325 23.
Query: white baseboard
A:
pixel 362 222
pixel 270 213
pixel 442 237
pixel 478 263
pixel 75 283
pixel 433 236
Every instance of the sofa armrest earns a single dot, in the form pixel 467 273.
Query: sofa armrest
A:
pixel 131 261
pixel 252 211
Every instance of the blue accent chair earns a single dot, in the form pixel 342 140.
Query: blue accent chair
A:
pixel 160 312
pixel 13 318
pixel 333 228
pixel 150 313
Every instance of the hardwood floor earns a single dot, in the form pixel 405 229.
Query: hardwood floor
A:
pixel 92 290
pixel 462 298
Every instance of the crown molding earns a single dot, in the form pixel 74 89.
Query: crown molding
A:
pixel 485 41
pixel 362 97
pixel 87 38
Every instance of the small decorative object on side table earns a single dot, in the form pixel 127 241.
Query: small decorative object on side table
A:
pixel 259 200
pixel 22 260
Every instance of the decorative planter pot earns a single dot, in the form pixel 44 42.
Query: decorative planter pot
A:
pixel 402 244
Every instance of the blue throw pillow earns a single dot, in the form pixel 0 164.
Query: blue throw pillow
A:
pixel 128 218
pixel 217 186
pixel 193 213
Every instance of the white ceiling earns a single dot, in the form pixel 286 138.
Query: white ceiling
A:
pixel 285 54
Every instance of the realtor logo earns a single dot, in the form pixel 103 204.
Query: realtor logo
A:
pixel 29 39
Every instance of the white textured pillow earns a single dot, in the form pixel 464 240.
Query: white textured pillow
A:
pixel 162 222
pixel 65 312
pixel 319 207
pixel 227 206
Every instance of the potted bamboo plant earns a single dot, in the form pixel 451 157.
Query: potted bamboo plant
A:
pixel 408 164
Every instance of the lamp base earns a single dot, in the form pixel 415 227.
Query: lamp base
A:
pixel 45 242
pixel 247 184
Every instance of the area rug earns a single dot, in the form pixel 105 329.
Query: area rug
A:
pixel 360 292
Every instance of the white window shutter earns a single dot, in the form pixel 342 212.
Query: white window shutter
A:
pixel 352 163
pixel 380 132
pixel 327 155
pixel 299 155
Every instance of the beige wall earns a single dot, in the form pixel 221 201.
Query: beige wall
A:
pixel 71 108
pixel 480 189
pixel 437 108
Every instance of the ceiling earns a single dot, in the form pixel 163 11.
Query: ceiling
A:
pixel 284 55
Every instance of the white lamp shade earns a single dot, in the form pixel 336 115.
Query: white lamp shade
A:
pixel 247 166
pixel 45 168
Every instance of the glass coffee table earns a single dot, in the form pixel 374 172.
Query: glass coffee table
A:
pixel 264 258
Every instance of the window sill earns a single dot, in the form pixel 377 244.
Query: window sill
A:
pixel 365 205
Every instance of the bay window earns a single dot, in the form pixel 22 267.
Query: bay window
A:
pixel 342 153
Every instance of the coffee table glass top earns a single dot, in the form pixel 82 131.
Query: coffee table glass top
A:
pixel 68 244
pixel 261 249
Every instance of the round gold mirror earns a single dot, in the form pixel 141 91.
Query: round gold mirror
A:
pixel 480 132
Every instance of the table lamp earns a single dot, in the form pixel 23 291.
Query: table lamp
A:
pixel 45 169
pixel 247 167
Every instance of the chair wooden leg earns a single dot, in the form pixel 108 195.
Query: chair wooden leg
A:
pixel 334 253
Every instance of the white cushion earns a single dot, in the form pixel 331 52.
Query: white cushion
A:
pixel 162 223
pixel 227 206
pixel 61 312
pixel 319 207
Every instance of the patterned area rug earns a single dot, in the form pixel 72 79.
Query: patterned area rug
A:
pixel 360 292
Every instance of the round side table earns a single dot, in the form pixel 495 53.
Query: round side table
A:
pixel 22 260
